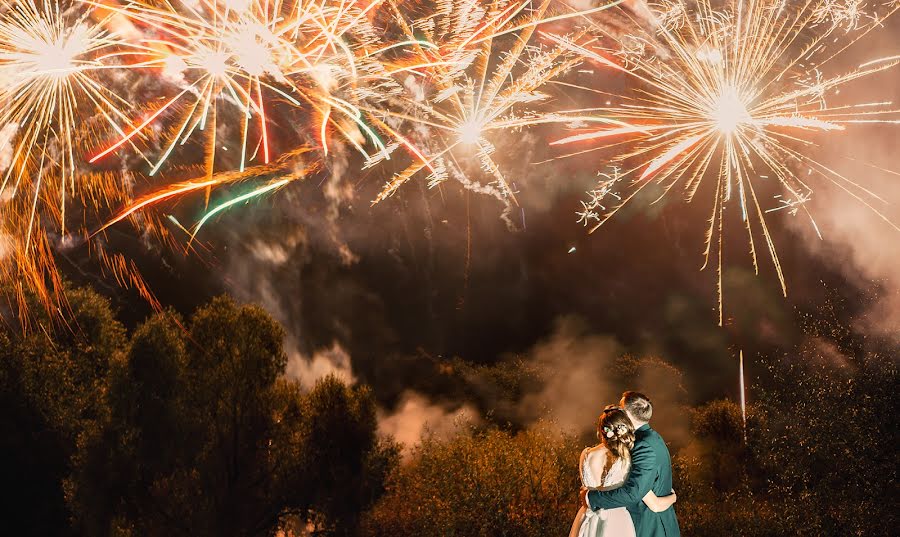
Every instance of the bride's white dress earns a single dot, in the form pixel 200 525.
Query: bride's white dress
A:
pixel 605 522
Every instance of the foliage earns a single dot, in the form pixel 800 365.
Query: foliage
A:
pixel 343 459
pixel 205 437
pixel 188 426
pixel 819 458
pixel 719 483
pixel 184 428
pixel 52 380
pixel 483 484
pixel 831 444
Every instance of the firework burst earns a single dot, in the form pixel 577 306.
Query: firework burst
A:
pixel 731 97
pixel 484 80
pixel 53 101
pixel 233 61
pixel 287 73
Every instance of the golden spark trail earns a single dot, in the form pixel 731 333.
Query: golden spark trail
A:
pixel 730 96
pixel 53 99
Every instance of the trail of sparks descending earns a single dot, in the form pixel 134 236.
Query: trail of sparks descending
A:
pixel 52 97
pixel 731 97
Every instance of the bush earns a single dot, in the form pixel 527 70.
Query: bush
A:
pixel 487 483
pixel 820 456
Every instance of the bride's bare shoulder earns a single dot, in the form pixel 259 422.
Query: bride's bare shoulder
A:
pixel 596 455
pixel 599 449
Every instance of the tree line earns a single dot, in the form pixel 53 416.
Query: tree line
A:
pixel 188 426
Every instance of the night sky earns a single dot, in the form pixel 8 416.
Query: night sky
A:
pixel 432 274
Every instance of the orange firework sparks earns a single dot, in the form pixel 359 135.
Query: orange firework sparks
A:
pixel 482 76
pixel 52 101
pixel 228 58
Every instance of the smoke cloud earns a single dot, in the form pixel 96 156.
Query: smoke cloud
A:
pixel 309 369
pixel 579 378
pixel 856 240
pixel 415 416
pixel 583 372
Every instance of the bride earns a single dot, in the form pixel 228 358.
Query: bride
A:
pixel 605 466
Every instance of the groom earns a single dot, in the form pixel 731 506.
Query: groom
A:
pixel 651 469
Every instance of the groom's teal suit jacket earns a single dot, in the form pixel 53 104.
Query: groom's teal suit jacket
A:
pixel 651 469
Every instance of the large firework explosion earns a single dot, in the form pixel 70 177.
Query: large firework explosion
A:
pixel 55 100
pixel 487 78
pixel 730 95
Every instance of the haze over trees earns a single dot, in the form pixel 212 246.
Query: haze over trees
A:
pixel 188 426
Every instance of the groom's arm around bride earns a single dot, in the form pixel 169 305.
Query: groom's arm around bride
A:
pixel 651 470
pixel 631 493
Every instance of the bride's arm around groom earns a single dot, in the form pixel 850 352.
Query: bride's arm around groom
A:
pixel 655 503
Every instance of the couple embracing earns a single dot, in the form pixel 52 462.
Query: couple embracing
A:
pixel 627 477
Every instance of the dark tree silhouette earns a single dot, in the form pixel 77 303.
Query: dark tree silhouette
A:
pixel 204 436
pixel 52 379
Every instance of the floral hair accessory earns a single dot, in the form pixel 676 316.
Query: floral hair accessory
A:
pixel 618 430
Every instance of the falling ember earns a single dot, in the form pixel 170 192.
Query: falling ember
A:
pixel 743 395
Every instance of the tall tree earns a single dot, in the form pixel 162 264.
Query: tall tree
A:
pixel 52 382
pixel 345 458
pixel 197 415
pixel 205 437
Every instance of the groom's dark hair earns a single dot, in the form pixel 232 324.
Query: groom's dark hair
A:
pixel 638 405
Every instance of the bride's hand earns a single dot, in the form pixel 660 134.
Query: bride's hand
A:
pixel 673 496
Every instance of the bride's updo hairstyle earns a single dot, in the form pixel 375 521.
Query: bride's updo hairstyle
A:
pixel 616 432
